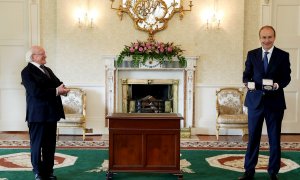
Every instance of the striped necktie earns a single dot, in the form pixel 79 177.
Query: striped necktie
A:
pixel 45 70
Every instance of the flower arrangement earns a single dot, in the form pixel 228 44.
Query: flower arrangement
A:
pixel 143 51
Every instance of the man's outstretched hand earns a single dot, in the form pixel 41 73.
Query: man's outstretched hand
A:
pixel 62 90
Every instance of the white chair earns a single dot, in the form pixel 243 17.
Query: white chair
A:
pixel 231 113
pixel 75 111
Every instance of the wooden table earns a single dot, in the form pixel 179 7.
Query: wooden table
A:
pixel 144 142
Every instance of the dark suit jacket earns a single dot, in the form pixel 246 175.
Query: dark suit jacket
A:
pixel 42 103
pixel 278 70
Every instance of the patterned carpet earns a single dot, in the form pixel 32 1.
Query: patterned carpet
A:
pixel 184 144
pixel 91 164
pixel 233 145
pixel 59 144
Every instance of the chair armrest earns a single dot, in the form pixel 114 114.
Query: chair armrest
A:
pixel 245 110
pixel 217 108
pixel 84 105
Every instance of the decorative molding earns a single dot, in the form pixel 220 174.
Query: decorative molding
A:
pixel 267 1
pixel 204 85
pixel 186 92
pixel 83 84
pixel 266 12
pixel 110 84
pixel 34 22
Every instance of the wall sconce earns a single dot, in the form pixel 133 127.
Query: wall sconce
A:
pixel 85 17
pixel 213 17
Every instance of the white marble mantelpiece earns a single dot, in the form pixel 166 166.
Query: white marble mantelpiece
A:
pixel 186 77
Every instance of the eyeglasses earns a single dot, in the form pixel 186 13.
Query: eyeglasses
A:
pixel 40 54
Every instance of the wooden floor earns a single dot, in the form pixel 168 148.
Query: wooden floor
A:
pixel 24 136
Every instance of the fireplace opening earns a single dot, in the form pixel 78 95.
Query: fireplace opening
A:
pixel 158 91
pixel 149 95
pixel 150 98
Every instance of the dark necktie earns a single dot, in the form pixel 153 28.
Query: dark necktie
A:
pixel 45 70
pixel 266 61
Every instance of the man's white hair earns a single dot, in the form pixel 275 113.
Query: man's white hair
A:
pixel 28 56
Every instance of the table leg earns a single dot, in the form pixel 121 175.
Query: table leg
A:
pixel 109 175
pixel 180 176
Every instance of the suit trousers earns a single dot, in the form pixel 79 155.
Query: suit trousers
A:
pixel 255 123
pixel 42 146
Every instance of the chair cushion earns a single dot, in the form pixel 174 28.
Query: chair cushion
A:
pixel 73 102
pixel 73 118
pixel 232 119
pixel 230 102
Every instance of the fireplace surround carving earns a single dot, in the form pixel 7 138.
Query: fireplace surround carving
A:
pixel 118 80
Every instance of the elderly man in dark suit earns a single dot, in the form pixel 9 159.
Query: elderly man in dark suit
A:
pixel 43 110
pixel 267 72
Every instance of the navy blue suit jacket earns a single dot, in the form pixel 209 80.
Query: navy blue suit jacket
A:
pixel 278 70
pixel 42 103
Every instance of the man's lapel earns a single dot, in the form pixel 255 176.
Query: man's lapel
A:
pixel 273 59
pixel 258 60
pixel 36 70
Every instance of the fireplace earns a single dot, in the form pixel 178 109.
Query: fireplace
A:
pixel 156 89
pixel 149 95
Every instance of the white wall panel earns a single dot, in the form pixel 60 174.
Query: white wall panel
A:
pixel 291 114
pixel 12 61
pixel 294 60
pixel 12 15
pixel 286 20
pixel 12 103
pixel 13 45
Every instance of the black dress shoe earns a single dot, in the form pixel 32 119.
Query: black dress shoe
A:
pixel 38 177
pixel 273 177
pixel 246 177
pixel 51 177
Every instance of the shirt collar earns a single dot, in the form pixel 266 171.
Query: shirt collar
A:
pixel 37 65
pixel 270 50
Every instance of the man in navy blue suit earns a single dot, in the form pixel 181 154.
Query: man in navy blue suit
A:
pixel 43 110
pixel 267 72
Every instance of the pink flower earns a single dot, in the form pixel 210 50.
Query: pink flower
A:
pixel 132 49
pixel 148 46
pixel 149 50
pixel 161 49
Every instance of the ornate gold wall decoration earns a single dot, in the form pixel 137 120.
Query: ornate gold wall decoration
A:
pixel 151 15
